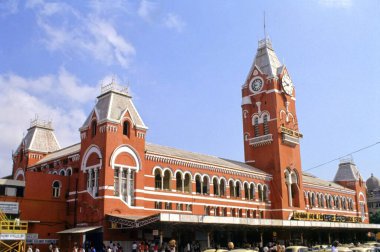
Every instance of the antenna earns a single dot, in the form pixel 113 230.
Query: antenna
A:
pixel 265 30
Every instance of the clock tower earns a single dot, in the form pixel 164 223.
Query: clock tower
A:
pixel 270 128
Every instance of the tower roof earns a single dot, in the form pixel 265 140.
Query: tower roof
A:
pixel 40 137
pixel 113 102
pixel 266 59
pixel 347 171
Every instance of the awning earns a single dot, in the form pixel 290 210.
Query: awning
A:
pixel 78 230
pixel 126 221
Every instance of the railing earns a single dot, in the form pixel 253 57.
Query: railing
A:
pixel 261 140
pixel 113 87
pixel 13 227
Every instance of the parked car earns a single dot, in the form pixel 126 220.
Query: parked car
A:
pixel 343 249
pixel 297 249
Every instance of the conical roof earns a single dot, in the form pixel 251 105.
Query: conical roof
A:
pixel 40 138
pixel 347 171
pixel 266 59
pixel 372 183
pixel 111 105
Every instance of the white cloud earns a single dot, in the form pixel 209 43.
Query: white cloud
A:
pixel 146 9
pixel 22 98
pixel 81 34
pixel 8 7
pixel 345 4
pixel 173 21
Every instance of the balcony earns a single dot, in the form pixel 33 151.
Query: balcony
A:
pixel 261 140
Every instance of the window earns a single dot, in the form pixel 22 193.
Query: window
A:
pixel 126 128
pixel 187 183
pixel 167 178
pixel 222 188
pixel 179 182
pixel 216 186
pixel 246 192
pixel 56 189
pixel 116 181
pixel 256 127
pixel 157 205
pixel 157 180
pixel 205 185
pixel 232 189
pixel 168 206
pixel 252 192
pixel 92 181
pixel 189 207
pixel 237 188
pixel 198 184
pixel 266 127
pixel 93 128
pixel 261 196
pixel 124 184
pixel 179 207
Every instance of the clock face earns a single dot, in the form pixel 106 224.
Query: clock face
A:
pixel 256 85
pixel 287 84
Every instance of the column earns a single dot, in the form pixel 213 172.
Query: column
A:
pixel 120 180
pixel 95 186
pixel 129 186
pixel 290 194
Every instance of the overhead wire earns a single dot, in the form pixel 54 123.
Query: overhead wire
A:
pixel 338 158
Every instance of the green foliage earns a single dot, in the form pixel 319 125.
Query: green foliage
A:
pixel 375 218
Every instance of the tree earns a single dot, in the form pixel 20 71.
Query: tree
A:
pixel 375 218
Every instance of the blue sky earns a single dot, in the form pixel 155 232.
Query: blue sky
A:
pixel 185 62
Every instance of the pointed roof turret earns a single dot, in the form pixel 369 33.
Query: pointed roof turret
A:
pixel 266 59
pixel 40 137
pixel 112 104
pixel 347 171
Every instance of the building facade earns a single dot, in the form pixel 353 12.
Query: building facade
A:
pixel 115 186
pixel 373 194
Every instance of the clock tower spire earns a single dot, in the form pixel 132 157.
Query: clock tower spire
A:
pixel 270 125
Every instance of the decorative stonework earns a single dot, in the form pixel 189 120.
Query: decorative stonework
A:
pixel 184 163
pixel 107 128
pixel 261 140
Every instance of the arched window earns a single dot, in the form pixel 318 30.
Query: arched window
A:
pixel 93 128
pixel 179 181
pixel 260 190
pixel 56 189
pixel 206 185
pixel 198 184
pixel 126 128
pixel 246 192
pixel 215 186
pixel 69 172
pixel 266 127
pixel 252 192
pixel 157 180
pixel 187 182
pixel 232 189
pixel 237 189
pixel 256 127
pixel 62 172
pixel 167 178
pixel 265 193
pixel 222 187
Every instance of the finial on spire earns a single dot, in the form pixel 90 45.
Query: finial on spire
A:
pixel 265 30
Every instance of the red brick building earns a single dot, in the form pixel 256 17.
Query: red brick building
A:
pixel 115 186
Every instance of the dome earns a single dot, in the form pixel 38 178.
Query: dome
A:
pixel 372 183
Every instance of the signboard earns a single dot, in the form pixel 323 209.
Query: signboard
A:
pixel 155 232
pixel 325 217
pixel 5 237
pixel 9 207
pixel 32 236
pixel 42 241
